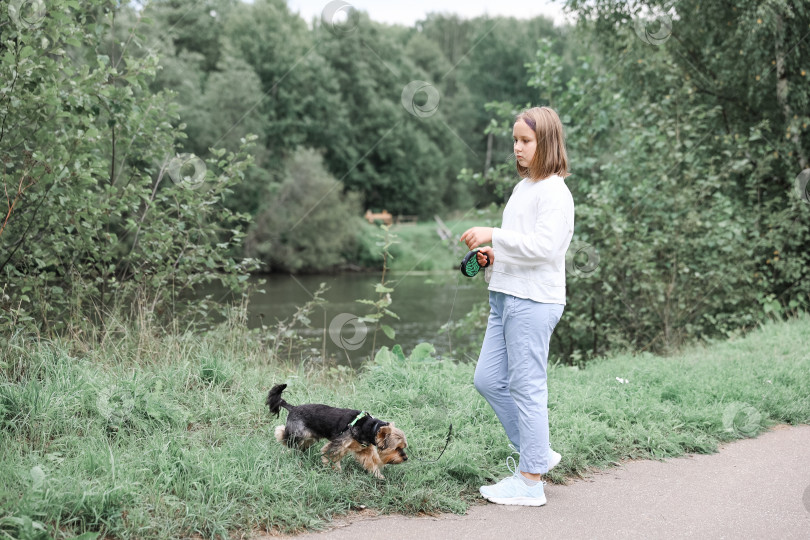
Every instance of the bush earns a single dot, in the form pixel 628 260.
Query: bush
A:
pixel 309 224
pixel 101 210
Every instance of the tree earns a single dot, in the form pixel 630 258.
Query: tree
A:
pixel 395 145
pixel 308 223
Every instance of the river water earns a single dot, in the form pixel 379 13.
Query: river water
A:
pixel 424 302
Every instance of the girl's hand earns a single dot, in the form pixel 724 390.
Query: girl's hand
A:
pixel 482 260
pixel 476 236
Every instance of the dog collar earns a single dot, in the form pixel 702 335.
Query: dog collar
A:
pixel 358 417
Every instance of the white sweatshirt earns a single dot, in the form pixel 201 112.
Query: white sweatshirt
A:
pixel 530 245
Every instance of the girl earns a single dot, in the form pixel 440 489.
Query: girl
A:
pixel 526 297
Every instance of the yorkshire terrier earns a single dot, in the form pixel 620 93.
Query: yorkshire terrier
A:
pixel 373 442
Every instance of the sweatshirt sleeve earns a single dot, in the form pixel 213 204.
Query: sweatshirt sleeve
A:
pixel 544 243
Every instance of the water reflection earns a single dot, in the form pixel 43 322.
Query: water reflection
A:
pixel 423 301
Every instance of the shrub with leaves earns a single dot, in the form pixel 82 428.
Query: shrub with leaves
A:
pixel 102 212
pixel 308 223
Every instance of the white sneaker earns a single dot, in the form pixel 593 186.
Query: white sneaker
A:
pixel 553 459
pixel 512 466
pixel 513 491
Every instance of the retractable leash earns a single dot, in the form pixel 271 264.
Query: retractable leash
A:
pixel 469 264
pixel 470 267
pixel 447 442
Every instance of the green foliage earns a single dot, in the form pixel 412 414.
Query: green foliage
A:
pixel 366 252
pixel 308 223
pixel 110 215
pixel 379 307
pixel 298 91
pixel 226 100
pixel 386 357
pixel 340 90
pixel 485 60
pixel 399 161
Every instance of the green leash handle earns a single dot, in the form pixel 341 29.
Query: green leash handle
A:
pixel 469 264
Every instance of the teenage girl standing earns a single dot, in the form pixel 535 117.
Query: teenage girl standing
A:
pixel 526 298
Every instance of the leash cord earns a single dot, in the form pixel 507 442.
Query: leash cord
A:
pixel 446 443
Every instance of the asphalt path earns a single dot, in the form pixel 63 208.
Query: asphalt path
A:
pixel 752 488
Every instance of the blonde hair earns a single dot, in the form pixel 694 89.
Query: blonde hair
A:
pixel 549 156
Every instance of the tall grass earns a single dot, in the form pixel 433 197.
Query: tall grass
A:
pixel 167 436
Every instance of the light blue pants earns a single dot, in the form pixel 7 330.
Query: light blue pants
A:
pixel 511 373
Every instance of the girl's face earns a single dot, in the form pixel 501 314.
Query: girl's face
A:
pixel 525 143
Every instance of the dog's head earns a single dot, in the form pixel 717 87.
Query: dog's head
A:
pixel 391 444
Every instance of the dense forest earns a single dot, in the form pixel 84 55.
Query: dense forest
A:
pixel 150 147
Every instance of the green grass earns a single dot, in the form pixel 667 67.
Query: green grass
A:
pixel 162 437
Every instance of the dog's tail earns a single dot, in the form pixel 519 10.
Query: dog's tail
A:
pixel 274 400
